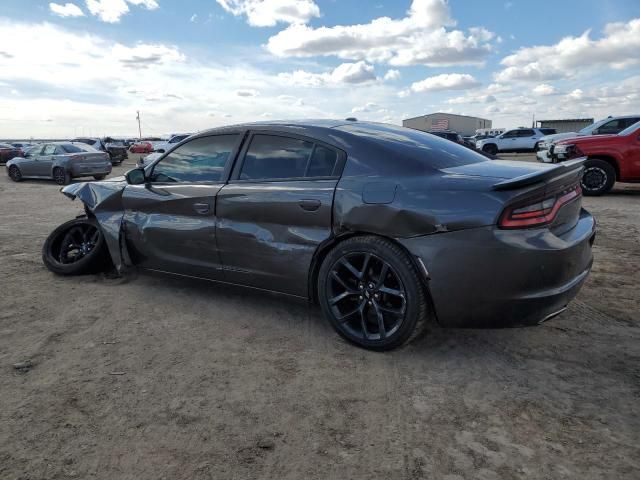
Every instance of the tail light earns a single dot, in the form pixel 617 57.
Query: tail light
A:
pixel 539 212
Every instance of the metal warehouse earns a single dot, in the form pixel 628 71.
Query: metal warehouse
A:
pixel 462 124
pixel 567 125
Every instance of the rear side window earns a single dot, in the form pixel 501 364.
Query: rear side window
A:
pixel 511 134
pixel 271 157
pixel 201 160
pixel 49 150
pixel 67 147
pixel 323 162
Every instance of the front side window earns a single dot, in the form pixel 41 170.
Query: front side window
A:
pixel 201 160
pixel 272 157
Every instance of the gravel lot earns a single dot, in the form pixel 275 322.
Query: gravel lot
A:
pixel 154 377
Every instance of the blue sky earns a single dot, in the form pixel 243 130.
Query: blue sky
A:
pixel 86 66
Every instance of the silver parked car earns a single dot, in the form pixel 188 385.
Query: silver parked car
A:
pixel 60 161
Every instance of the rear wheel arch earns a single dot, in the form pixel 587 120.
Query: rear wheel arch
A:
pixel 326 247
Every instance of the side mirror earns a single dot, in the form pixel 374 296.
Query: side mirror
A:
pixel 136 176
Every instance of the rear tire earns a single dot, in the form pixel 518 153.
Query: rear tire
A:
pixel 491 149
pixel 598 178
pixel 371 293
pixel 76 247
pixel 99 177
pixel 61 176
pixel 15 174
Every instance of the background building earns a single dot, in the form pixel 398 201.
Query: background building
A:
pixel 568 125
pixel 462 124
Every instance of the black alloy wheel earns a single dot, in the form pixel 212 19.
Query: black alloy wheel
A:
pixel 491 149
pixel 75 247
pixel 598 177
pixel 77 243
pixel 14 173
pixel 60 176
pixel 371 293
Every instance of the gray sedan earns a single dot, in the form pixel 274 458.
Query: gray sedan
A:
pixel 384 227
pixel 60 161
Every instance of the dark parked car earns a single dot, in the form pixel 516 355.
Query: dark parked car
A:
pixel 383 226
pixel 116 149
pixel 7 152
pixel 60 161
pixel 449 135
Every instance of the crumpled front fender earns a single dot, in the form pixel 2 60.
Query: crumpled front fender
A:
pixel 104 200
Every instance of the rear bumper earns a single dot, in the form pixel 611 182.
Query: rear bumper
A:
pixel 487 277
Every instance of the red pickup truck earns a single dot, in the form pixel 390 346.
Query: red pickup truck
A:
pixel 610 158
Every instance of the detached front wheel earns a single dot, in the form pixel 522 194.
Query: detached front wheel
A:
pixel 371 293
pixel 75 248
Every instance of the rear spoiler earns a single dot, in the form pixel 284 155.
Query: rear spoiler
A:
pixel 559 169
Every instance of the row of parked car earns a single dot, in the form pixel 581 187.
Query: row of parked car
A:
pixel 611 146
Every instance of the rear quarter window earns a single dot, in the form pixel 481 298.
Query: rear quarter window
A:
pixel 428 150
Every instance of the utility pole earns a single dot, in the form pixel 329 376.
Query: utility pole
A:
pixel 139 128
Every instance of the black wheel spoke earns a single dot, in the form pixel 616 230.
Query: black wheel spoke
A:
pixel 363 323
pixel 391 310
pixel 382 276
pixel 354 271
pixel 345 316
pixel 339 297
pixel 342 283
pixel 381 328
pixel 391 291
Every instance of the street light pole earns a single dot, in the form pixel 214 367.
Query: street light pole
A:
pixel 139 128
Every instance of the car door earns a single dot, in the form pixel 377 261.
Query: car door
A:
pixel 527 139
pixel 28 163
pixel 508 141
pixel 170 221
pixel 44 161
pixel 276 210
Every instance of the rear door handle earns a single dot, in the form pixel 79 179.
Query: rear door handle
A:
pixel 309 205
pixel 201 208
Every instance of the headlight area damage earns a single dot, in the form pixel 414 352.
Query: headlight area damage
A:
pixel 103 200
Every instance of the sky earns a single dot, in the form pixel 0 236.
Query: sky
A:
pixel 85 67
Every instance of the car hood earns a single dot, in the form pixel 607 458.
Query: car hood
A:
pixel 495 169
pixel 589 139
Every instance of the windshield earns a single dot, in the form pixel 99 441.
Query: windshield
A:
pixel 589 128
pixel 69 148
pixel 630 129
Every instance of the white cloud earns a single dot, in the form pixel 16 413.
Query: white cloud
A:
pixel 471 99
pixel 618 48
pixel 111 11
pixel 446 81
pixel 247 93
pixel 420 38
pixel 545 89
pixel 193 18
pixel 267 13
pixel 66 10
pixel 391 75
pixel 351 73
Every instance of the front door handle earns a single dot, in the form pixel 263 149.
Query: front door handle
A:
pixel 310 205
pixel 201 208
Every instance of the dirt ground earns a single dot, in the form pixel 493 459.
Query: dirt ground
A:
pixel 162 378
